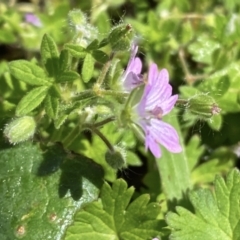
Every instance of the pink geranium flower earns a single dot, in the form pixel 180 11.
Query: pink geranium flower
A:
pixel 132 76
pixel 157 101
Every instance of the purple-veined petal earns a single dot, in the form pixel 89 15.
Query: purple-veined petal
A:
pixel 166 135
pixel 153 73
pixel 168 105
pixel 151 143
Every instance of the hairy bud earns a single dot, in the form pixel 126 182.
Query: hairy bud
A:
pixel 203 105
pixel 121 37
pixel 20 129
pixel 117 158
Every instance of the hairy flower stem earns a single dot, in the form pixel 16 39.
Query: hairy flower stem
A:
pixel 105 69
pixel 105 121
pixel 104 139
pixel 182 102
pixel 67 141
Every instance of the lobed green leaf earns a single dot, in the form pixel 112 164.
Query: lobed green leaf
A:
pixel 217 214
pixel 115 218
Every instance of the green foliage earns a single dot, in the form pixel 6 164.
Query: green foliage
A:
pixel 115 217
pixel 28 72
pixel 217 213
pixel 61 79
pixel 51 186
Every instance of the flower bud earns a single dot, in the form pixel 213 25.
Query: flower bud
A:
pixel 20 129
pixel 121 37
pixel 85 33
pixel 203 105
pixel 117 158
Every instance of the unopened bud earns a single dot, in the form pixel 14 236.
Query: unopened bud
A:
pixel 20 129
pixel 77 19
pixel 117 158
pixel 85 33
pixel 203 105
pixel 121 37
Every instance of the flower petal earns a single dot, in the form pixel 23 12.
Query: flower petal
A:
pixel 168 105
pixel 165 134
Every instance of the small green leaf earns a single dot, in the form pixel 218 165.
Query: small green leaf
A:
pixel 133 159
pixel 32 100
pixel 76 50
pixel 217 212
pixel 117 218
pixel 100 56
pixel 49 54
pixel 28 72
pixel 51 106
pixel 68 76
pixel 93 45
pixel 46 188
pixel 87 68
pixel 64 60
pixel 205 172
pixel 215 122
pixel 59 121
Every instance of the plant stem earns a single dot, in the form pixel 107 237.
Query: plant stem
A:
pixel 103 122
pixel 71 136
pixel 104 139
pixel 105 69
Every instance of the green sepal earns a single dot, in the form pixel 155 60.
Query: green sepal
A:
pixel 88 67
pixel 28 72
pixel 31 100
pixel 51 106
pixel 76 50
pixel 50 55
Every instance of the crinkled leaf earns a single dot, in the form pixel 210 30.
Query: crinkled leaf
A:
pixel 115 218
pixel 76 50
pixel 217 212
pixel 87 68
pixel 51 106
pixel 31 100
pixel 28 72
pixel 67 76
pixel 40 191
pixel 50 55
